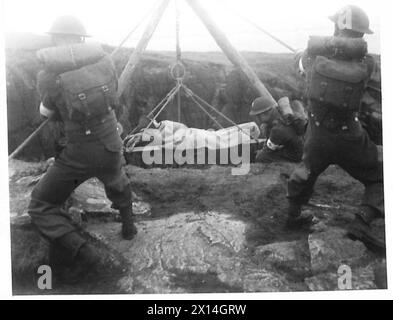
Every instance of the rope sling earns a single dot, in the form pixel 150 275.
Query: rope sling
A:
pixel 178 72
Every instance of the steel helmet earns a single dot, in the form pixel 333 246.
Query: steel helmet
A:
pixel 352 18
pixel 261 105
pixel 68 25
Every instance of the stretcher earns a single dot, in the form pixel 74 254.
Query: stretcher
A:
pixel 174 144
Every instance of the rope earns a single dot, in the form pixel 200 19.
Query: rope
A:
pixel 178 58
pixel 206 112
pixel 134 29
pixel 261 29
pixel 28 139
pixel 176 89
pixel 179 105
pixel 161 102
pixel 191 93
pixel 178 49
pixel 167 99
pixel 154 109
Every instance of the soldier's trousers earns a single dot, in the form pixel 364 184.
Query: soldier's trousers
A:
pixel 77 163
pixel 350 149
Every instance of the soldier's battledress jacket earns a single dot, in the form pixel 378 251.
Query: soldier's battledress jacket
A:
pixel 94 149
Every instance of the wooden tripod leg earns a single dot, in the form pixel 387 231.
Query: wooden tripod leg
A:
pixel 135 57
pixel 229 50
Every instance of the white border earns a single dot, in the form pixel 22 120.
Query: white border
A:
pixel 387 85
pixel 5 238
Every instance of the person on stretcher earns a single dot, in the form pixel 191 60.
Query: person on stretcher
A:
pixel 170 134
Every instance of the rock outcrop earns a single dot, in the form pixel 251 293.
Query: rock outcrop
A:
pixel 204 231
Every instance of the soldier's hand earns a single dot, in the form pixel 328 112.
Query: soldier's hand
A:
pixel 131 141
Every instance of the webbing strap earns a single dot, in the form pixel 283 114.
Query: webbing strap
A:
pixel 83 99
pixel 105 91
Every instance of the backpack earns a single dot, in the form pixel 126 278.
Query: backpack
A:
pixel 338 83
pixel 90 91
pixel 338 72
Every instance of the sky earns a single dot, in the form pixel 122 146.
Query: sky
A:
pixel 110 21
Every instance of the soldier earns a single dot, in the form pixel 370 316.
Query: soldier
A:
pixel 337 70
pixel 283 130
pixel 94 145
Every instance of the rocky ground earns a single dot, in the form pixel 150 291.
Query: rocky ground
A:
pixel 203 230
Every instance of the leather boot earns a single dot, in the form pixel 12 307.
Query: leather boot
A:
pixel 72 242
pixel 360 229
pixel 129 229
pixel 297 219
pixel 88 256
pixel 73 258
